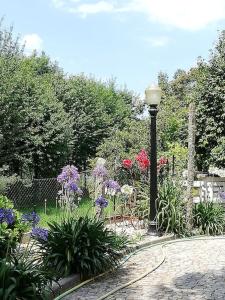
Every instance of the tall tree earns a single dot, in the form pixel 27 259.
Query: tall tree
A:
pixel 96 109
pixel 35 129
pixel 210 108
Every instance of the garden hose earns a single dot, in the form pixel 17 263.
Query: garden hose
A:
pixel 163 244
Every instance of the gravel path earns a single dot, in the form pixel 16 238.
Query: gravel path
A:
pixel 192 270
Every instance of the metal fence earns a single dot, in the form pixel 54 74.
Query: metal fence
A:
pixel 35 193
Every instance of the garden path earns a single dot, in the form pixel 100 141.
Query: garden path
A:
pixel 192 270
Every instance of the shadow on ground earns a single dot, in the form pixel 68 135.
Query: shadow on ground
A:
pixel 194 285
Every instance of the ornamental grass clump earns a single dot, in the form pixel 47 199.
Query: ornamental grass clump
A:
pixel 209 218
pixel 24 277
pixel 82 246
pixel 170 209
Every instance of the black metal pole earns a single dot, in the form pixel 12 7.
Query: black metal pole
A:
pixel 153 170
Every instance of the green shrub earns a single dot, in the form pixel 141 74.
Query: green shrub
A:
pixel 209 218
pixel 24 277
pixel 82 246
pixel 11 227
pixel 6 180
pixel 170 210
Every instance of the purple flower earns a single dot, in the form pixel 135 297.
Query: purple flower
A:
pixel 222 195
pixel 112 185
pixel 99 171
pixel 7 215
pixel 40 234
pixel 101 202
pixel 32 218
pixel 68 173
pixel 79 192
pixel 71 186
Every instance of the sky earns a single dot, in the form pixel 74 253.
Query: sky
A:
pixel 129 40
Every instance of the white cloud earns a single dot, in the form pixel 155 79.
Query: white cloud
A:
pixel 184 14
pixel 95 8
pixel 32 42
pixel 157 41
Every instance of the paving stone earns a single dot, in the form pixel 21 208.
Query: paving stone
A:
pixel 192 270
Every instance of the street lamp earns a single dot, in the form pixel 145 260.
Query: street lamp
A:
pixel 152 99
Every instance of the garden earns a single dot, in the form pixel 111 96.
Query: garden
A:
pixel 91 138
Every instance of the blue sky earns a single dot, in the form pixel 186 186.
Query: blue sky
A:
pixel 130 40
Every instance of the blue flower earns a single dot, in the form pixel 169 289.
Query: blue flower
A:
pixel 7 215
pixel 112 184
pixel 101 202
pixel 40 234
pixel 68 173
pixel 32 218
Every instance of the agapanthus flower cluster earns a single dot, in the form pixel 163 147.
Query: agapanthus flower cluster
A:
pixel 100 171
pixel 112 187
pixel 32 218
pixel 40 234
pixel 69 173
pixel 142 160
pixel 127 189
pixel 7 215
pixel 100 161
pixel 222 195
pixel 101 202
pixel 68 178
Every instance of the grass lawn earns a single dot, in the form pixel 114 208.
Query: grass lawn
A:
pixel 55 214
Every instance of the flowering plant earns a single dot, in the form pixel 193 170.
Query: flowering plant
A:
pixel 101 202
pixel 100 171
pixel 100 161
pixel 40 234
pixel 112 187
pixel 7 215
pixel 70 192
pixel 32 218
pixel 142 160
pixel 11 226
pixel 127 189
pixel 127 163
pixel 162 161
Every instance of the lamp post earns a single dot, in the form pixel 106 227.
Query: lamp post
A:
pixel 152 99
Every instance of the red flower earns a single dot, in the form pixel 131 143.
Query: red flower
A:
pixel 127 163
pixel 163 161
pixel 142 159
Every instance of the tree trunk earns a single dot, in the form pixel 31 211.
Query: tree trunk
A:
pixel 191 165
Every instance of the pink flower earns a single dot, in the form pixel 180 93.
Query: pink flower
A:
pixel 142 159
pixel 163 161
pixel 127 163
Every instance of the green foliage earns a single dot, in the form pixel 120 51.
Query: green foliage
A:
pixel 97 109
pixel 124 143
pixel 170 213
pixel 24 277
pixel 6 180
pixel 48 119
pixel 173 112
pixel 209 218
pixel 210 108
pixel 179 152
pixel 10 234
pixel 36 131
pixel 81 245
